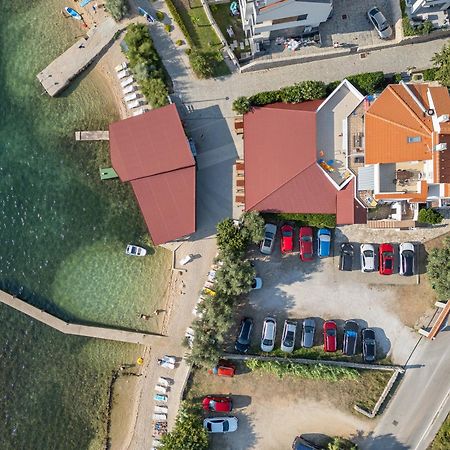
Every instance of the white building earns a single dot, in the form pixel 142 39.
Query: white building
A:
pixel 265 20
pixel 436 11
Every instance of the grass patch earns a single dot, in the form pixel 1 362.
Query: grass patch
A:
pixel 442 439
pixel 312 220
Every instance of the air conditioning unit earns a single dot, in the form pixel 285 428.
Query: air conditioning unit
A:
pixel 440 147
pixel 443 118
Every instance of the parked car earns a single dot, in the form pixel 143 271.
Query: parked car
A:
pixel 367 257
pixel 300 443
pixel 386 259
pixel 270 232
pixel 330 336
pixel 134 250
pixel 305 237
pixel 224 369
pixel 407 259
pixel 309 329
pixel 220 424
pixel 257 283
pixel 351 330
pixel 243 340
pixel 346 257
pixel 217 404
pixel 288 338
pixel 323 242
pixel 287 238
pixel 268 334
pixel 369 345
pixel 380 23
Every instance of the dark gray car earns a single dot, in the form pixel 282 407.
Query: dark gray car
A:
pixel 309 329
pixel 346 257
pixel 351 330
pixel 369 345
pixel 245 333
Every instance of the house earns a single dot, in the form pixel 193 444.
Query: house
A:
pixel 265 20
pixel 152 152
pixel 407 149
pixel 295 158
pixel 436 11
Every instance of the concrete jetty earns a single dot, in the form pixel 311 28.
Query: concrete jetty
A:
pixel 111 334
pixel 58 74
pixel 92 135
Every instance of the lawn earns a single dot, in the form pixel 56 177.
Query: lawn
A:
pixel 442 439
pixel 202 33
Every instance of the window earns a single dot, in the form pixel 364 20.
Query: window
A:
pixel 302 17
pixel 414 139
pixel 290 19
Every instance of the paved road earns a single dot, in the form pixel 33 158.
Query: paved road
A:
pixel 422 402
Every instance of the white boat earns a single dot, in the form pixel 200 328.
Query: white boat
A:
pixel 161 409
pixel 159 416
pixel 164 381
pixel 134 104
pixel 121 66
pixel 134 250
pixel 127 81
pixel 161 389
pixel 130 97
pixel 140 111
pixel 123 74
pixel 128 89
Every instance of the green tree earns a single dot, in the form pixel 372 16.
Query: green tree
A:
pixel 235 277
pixel 202 63
pixel 441 61
pixel 429 215
pixel 241 105
pixel 339 443
pixel 230 240
pixel 188 432
pixel 253 226
pixel 155 92
pixel 117 8
pixel 438 270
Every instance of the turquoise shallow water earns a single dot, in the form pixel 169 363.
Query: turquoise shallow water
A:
pixel 62 238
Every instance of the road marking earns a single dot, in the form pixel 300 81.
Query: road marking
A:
pixel 441 406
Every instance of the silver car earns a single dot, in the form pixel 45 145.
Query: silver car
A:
pixel 270 231
pixel 288 338
pixel 309 329
pixel 368 257
pixel 268 334
pixel 380 23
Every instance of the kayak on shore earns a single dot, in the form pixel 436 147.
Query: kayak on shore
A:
pixel 73 13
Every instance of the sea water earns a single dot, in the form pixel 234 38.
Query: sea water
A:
pixel 63 234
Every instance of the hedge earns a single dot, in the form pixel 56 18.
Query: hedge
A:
pixel 431 216
pixel 178 19
pixel 312 220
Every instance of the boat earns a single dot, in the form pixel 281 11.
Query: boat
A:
pixel 134 104
pixel 121 66
pixel 127 81
pixel 73 13
pixel 128 89
pixel 131 96
pixel 149 17
pixel 123 73
pixel 134 250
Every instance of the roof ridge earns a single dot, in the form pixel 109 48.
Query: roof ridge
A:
pixel 162 173
pixel 412 112
pixel 396 123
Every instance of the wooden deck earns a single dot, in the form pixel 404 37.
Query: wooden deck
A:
pixel 92 135
pixel 402 224
pixel 112 334
pixel 58 74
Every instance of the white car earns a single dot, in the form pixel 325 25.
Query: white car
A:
pixel 407 259
pixel 221 424
pixel 134 250
pixel 380 23
pixel 270 231
pixel 368 257
pixel 268 334
pixel 288 338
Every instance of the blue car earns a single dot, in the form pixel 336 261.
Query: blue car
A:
pixel 323 242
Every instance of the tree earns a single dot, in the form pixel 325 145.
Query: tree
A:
pixel 201 63
pixel 429 215
pixel 188 432
pixel 235 277
pixel 253 226
pixel 155 92
pixel 241 105
pixel 230 240
pixel 117 8
pixel 441 61
pixel 339 443
pixel 438 270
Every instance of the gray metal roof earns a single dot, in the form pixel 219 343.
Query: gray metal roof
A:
pixel 366 178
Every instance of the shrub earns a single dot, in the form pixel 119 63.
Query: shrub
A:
pixel 441 62
pixel 409 29
pixel 241 105
pixel 312 220
pixel 265 98
pixel 179 42
pixel 303 91
pixel 431 216
pixel 305 371
pixel 117 8
pixel 202 63
pixel 188 51
pixel 155 91
pixel 168 28
pixel 253 226
pixel 160 15
pixel 438 270
pixel 176 16
pixel 368 83
pixel 429 74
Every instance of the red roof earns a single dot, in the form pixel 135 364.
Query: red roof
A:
pixel 152 152
pixel 281 170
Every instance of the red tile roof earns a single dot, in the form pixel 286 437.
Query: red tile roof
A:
pixel 281 170
pixel 348 209
pixel 152 152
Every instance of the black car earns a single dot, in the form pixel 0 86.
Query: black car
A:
pixel 369 345
pixel 300 443
pixel 243 339
pixel 351 330
pixel 346 258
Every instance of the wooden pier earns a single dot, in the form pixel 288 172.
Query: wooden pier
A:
pixel 92 135
pixel 112 334
pixel 58 74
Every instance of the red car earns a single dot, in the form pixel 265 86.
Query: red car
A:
pixel 329 336
pixel 218 404
pixel 287 238
pixel 305 237
pixel 224 369
pixel 386 259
